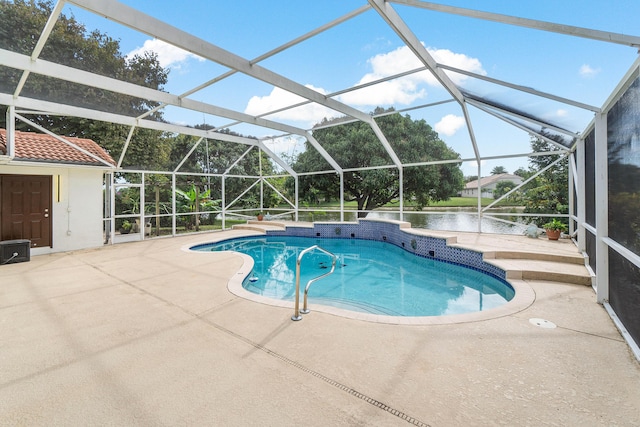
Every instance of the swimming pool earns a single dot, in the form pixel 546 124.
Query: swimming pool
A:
pixel 370 277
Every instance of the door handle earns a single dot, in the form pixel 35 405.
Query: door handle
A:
pixel 46 215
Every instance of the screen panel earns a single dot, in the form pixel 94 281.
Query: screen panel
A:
pixel 623 126
pixel 624 292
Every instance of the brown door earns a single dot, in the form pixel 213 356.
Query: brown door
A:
pixel 25 208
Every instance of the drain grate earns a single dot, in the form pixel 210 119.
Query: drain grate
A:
pixel 347 389
pixel 380 405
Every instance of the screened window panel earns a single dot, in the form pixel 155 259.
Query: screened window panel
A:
pixel 624 292
pixel 623 125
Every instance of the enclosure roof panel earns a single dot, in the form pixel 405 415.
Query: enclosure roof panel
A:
pixel 277 69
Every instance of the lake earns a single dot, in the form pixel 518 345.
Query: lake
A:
pixel 454 219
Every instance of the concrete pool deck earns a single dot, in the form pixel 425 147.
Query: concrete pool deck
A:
pixel 145 333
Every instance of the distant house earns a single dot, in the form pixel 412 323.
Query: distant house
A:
pixel 51 191
pixel 488 184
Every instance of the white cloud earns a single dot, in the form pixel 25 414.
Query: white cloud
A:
pixel 308 114
pixel 168 55
pixel 556 116
pixel 471 168
pixel 588 71
pixel 405 90
pixel 449 124
pixel 402 91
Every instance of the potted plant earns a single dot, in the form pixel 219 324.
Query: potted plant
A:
pixel 554 228
pixel 125 228
pixel 260 216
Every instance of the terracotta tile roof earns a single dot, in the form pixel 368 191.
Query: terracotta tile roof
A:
pixel 40 147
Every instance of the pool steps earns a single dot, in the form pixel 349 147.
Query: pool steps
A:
pixel 546 261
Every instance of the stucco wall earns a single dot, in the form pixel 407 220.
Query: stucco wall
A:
pixel 77 213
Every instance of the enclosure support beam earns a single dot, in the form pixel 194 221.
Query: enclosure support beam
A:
pixel 44 36
pixel 173 204
pixel 126 146
pixel 479 197
pixel 602 217
pixel 603 36
pixel 135 19
pixel 112 200
pixel 396 23
pixel 11 131
pixel 223 202
pixel 142 228
pixel 46 107
pixel 401 191
pixel 341 196
pixel 267 55
pixel 571 190
pixel 297 182
pixel 581 193
pixel 521 88
pixel 261 181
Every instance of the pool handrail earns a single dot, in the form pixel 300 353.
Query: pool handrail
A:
pixel 296 315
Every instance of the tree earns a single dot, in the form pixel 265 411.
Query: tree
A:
pixel 194 201
pixel 548 193
pixel 522 173
pixel 498 170
pixel 72 45
pixel 354 145
pixel 503 187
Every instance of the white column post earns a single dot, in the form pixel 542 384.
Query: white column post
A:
pixel 112 210
pixel 571 190
pixel 401 191
pixel 261 180
pixel 11 131
pixel 341 196
pixel 479 198
pixel 297 185
pixel 581 202
pixel 602 206
pixel 173 204
pixel 223 201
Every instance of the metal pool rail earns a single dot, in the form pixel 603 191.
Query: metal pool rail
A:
pixel 305 309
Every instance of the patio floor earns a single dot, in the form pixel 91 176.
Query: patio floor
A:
pixel 147 333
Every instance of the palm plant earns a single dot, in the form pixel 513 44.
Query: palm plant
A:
pixel 195 202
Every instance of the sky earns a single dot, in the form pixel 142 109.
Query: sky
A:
pixel 364 49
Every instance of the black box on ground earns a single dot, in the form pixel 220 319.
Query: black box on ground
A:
pixel 12 251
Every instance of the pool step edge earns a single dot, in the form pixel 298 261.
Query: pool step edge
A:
pixel 526 269
pixel 576 258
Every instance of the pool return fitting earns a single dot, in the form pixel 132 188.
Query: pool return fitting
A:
pixel 296 314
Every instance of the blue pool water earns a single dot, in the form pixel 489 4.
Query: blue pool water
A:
pixel 370 276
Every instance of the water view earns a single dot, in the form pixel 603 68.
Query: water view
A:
pixel 455 219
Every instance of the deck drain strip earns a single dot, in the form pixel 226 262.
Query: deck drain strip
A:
pixel 347 389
